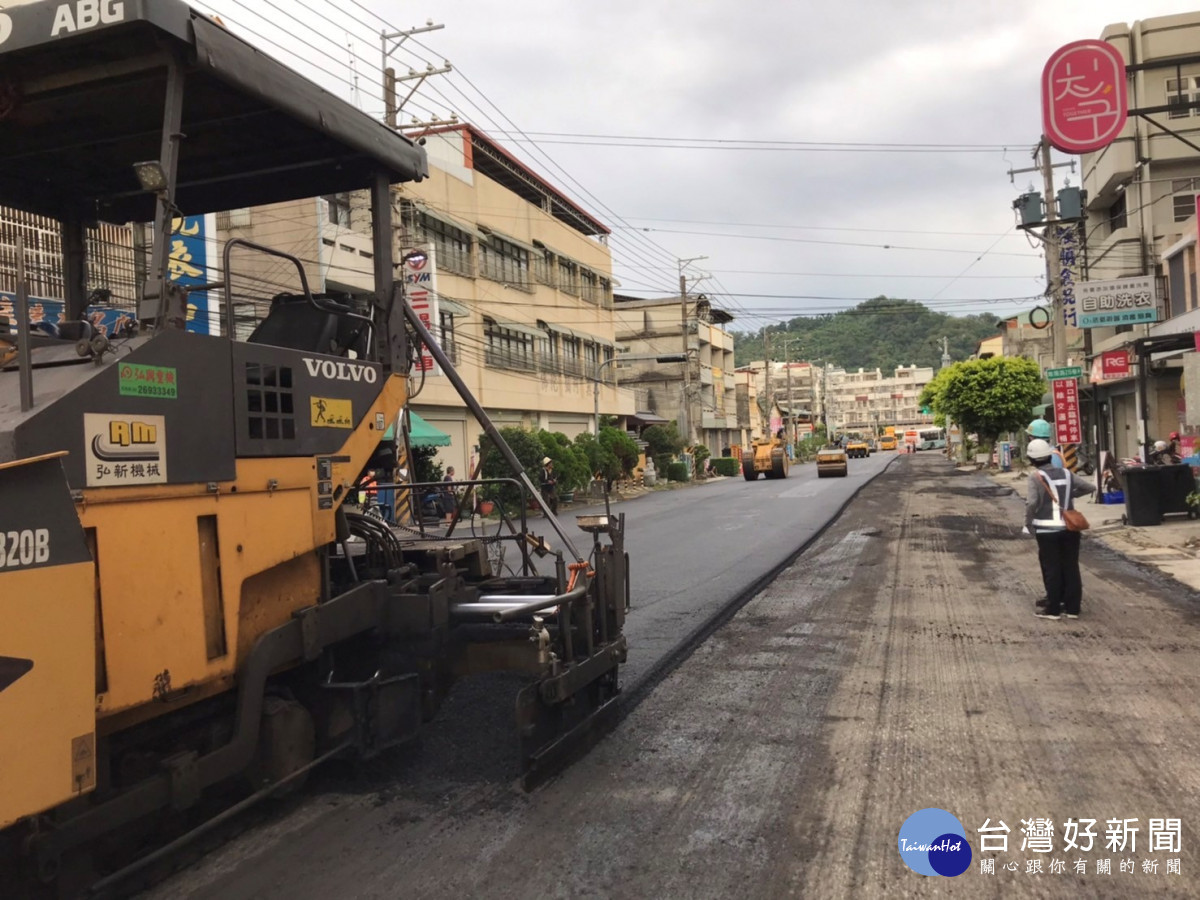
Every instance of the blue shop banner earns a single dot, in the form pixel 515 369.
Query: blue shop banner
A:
pixel 45 316
pixel 189 265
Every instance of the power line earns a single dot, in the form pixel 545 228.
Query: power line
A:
pixel 795 240
pixel 833 145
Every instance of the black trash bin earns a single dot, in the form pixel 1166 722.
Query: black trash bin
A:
pixel 1175 483
pixel 1143 496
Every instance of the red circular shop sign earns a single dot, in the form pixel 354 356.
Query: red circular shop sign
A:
pixel 1085 100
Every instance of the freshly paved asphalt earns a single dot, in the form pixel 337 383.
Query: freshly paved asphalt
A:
pixel 696 550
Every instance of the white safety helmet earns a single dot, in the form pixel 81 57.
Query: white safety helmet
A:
pixel 1160 446
pixel 1038 449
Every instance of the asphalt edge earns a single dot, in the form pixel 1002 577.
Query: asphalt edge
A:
pixel 657 673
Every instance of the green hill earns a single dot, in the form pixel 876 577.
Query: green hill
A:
pixel 882 333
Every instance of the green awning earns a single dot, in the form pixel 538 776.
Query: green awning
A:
pixel 421 433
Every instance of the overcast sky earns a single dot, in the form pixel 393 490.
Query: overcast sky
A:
pixel 784 225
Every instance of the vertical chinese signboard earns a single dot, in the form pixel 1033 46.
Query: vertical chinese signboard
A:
pixel 420 290
pixel 1085 100
pixel 188 264
pixel 1068 259
pixel 1067 428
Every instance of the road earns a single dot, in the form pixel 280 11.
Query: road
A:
pixel 695 553
pixel 896 666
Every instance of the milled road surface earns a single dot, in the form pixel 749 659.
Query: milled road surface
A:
pixel 896 666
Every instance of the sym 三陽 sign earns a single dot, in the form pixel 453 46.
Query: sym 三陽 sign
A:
pixel 1085 100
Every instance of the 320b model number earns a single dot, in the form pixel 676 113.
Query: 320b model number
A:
pixel 24 548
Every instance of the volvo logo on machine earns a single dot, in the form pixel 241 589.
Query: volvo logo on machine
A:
pixel 333 370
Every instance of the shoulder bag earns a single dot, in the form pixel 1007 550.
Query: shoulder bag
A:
pixel 1072 518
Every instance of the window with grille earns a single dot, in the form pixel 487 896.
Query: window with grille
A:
pixel 543 267
pixel 506 262
pixel 589 286
pixel 1184 200
pixel 446 335
pixel 566 276
pixel 508 348
pixel 452 246
pixel 338 209
pixel 571 364
pixel 1117 217
pixel 1181 92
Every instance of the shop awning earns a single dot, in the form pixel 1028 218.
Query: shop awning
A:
pixel 648 418
pixel 421 433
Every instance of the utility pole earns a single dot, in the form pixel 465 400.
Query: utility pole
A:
pixel 391 107
pixel 787 365
pixel 685 414
pixel 767 364
pixel 1058 331
pixel 945 352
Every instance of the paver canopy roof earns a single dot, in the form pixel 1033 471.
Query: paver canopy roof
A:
pixel 82 100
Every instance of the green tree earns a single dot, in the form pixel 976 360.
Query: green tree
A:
pixel 621 446
pixel 987 396
pixel 663 444
pixel 881 333
pixel 614 454
pixel 570 463
pixel 528 449
pixel 425 464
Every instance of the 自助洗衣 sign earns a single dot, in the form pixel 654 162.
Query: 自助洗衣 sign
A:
pixel 1123 301
pixel 1085 99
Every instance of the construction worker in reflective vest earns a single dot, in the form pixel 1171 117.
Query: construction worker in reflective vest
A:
pixel 1050 490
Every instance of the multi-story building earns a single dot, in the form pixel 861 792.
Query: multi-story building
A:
pixel 1141 222
pixel 112 273
pixel 699 394
pixel 517 285
pixel 868 401
pixel 794 388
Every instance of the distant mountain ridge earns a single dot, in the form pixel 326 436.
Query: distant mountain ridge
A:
pixel 880 333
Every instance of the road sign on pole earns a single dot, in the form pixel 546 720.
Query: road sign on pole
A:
pixel 1065 372
pixel 1066 411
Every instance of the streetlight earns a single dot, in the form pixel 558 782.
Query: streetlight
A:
pixel 643 357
